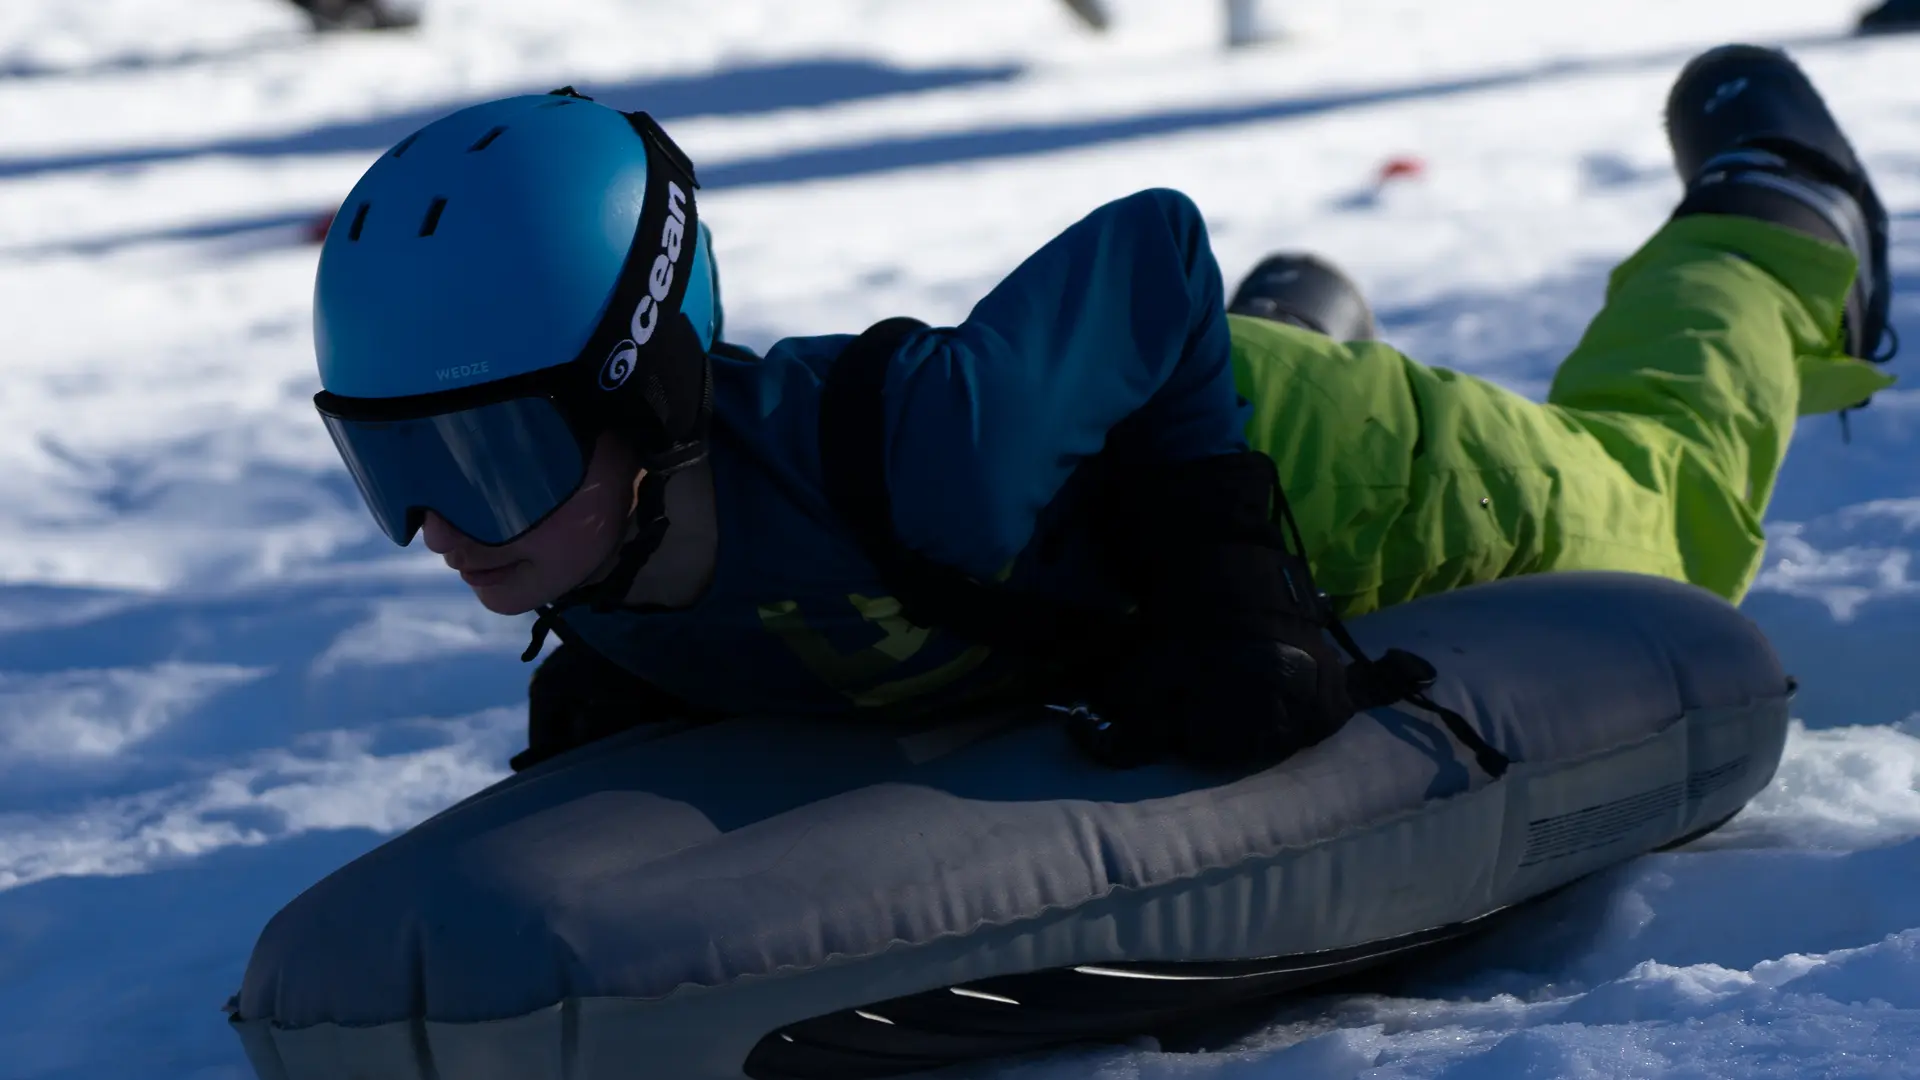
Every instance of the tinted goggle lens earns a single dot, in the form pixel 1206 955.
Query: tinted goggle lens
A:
pixel 493 471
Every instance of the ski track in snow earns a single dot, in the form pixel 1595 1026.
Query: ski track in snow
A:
pixel 217 682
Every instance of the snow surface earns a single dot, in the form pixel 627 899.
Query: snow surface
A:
pixel 217 682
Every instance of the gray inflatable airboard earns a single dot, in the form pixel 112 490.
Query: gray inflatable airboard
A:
pixel 671 898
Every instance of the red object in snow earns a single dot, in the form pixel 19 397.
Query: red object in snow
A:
pixel 1407 167
pixel 317 228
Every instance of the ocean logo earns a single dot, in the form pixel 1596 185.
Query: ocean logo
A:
pixel 619 365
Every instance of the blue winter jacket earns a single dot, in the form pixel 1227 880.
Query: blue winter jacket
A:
pixel 1112 336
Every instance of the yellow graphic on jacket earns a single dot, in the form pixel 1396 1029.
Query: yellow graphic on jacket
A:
pixel 858 674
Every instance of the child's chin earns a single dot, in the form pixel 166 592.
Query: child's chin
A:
pixel 505 600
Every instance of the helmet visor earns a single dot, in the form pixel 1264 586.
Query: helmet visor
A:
pixel 493 471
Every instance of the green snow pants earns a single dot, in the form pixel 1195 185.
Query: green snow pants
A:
pixel 1655 452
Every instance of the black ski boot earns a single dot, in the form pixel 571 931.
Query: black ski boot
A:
pixel 1892 17
pixel 1305 291
pixel 1752 137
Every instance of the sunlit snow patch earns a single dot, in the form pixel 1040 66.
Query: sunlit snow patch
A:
pixel 408 631
pixel 332 780
pixel 80 715
pixel 1860 554
pixel 1840 788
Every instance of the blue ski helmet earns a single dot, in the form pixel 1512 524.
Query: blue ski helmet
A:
pixel 501 287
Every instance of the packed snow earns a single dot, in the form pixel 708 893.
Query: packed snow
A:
pixel 218 681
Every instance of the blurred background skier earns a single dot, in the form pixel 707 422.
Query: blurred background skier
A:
pixel 1245 24
pixel 1892 17
pixel 330 15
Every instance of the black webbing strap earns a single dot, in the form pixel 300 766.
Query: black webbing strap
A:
pixel 853 449
pixel 1397 676
pixel 1402 676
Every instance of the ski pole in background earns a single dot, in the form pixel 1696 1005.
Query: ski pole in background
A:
pixel 1243 23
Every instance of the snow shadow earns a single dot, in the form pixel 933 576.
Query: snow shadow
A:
pixel 1730 910
pixel 737 91
pixel 1734 909
pixel 317 655
pixel 805 84
pixel 1856 672
pixel 22 68
pixel 126 976
pixel 175 768
pixel 1022 140
pixel 1515 337
pixel 295 227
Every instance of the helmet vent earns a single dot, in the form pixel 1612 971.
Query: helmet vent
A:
pixel 405 144
pixel 359 221
pixel 433 217
pixel 486 140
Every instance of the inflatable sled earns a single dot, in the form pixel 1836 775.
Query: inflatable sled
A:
pixel 783 899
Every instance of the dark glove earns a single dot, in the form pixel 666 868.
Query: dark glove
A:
pixel 577 696
pixel 1232 666
pixel 1220 700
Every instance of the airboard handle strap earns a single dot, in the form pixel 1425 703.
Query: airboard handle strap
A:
pixel 1397 676
pixel 1401 676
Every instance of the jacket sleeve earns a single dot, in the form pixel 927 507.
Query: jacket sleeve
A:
pixel 1115 330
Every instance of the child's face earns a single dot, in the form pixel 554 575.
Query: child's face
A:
pixel 574 544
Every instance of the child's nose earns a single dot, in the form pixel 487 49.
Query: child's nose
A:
pixel 440 537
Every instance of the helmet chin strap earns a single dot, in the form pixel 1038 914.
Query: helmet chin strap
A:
pixel 646 528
